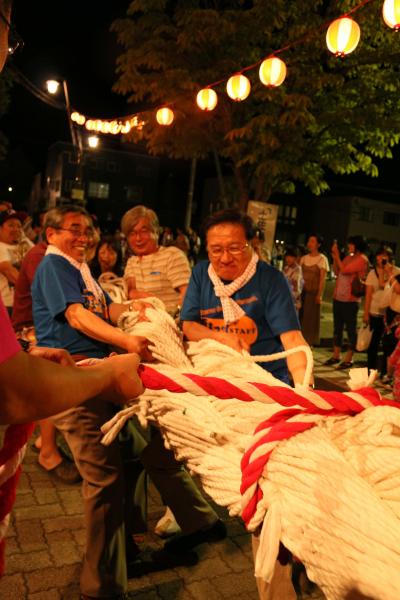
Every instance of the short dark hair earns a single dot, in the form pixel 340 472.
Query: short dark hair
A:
pixel 234 216
pixel 291 251
pixel 359 242
pixel 55 216
pixel 318 237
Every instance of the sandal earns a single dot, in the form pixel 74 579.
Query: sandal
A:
pixel 345 364
pixel 332 361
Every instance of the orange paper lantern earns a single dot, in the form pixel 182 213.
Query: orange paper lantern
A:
pixel 272 71
pixel 342 36
pixel 207 99
pixel 391 13
pixel 164 116
pixel 238 87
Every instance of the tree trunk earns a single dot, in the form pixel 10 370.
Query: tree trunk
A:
pixel 189 202
pixel 221 182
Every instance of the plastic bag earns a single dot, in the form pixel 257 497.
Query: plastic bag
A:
pixel 364 336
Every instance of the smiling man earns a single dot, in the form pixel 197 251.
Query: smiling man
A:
pixel 72 312
pixel 154 270
pixel 242 301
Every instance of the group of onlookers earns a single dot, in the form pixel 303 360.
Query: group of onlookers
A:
pixel 358 278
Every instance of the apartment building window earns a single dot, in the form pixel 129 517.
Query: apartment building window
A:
pixel 98 190
pixel 365 213
pixel 390 218
pixel 287 214
pixel 134 194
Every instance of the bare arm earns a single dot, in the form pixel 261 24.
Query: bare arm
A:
pixel 195 332
pixel 296 362
pixel 91 325
pixel 7 269
pixel 33 388
pixel 182 291
pixel 133 292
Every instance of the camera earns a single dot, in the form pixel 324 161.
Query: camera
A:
pixel 384 262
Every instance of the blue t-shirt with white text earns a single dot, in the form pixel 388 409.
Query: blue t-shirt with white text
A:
pixel 267 301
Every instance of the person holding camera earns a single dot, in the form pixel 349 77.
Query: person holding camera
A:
pixel 352 267
pixel 375 283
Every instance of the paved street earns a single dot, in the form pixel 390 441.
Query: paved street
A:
pixel 46 536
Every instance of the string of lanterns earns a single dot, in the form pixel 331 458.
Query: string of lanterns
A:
pixel 342 37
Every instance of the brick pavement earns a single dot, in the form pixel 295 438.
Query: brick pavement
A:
pixel 45 543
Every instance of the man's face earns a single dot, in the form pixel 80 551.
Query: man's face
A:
pixel 141 239
pixel 228 250
pixel 10 231
pixel 74 236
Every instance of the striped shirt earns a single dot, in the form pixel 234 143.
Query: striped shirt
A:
pixel 160 274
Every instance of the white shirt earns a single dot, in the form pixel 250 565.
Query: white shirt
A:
pixel 320 260
pixel 379 295
pixel 14 254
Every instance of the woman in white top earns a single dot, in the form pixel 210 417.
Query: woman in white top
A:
pixel 373 308
pixel 315 267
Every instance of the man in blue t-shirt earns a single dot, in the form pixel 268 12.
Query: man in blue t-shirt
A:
pixel 241 301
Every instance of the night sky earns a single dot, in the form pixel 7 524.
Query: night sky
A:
pixel 70 40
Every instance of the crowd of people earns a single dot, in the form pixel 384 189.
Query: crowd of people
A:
pixel 371 282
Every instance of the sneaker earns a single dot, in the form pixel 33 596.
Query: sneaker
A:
pixel 167 525
pixel 182 542
pixel 160 560
pixel 345 364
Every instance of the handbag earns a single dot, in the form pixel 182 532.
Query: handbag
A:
pixel 357 287
pixel 364 336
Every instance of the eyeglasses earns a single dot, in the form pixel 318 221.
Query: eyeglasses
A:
pixel 234 250
pixel 77 232
pixel 15 41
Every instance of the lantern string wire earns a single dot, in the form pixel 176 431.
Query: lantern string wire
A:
pixel 23 80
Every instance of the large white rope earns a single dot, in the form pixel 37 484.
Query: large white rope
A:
pixel 331 494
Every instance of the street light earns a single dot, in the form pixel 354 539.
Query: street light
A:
pixel 52 87
pixel 93 141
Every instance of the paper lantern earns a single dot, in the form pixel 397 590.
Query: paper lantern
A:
pixel 391 13
pixel 238 87
pixel 207 99
pixel 272 71
pixel 342 36
pixel 164 116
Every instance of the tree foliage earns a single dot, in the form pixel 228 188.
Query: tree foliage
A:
pixel 330 114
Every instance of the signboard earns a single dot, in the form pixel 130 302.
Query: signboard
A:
pixel 265 217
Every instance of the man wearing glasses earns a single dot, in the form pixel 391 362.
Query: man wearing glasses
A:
pixel 242 301
pixel 71 311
